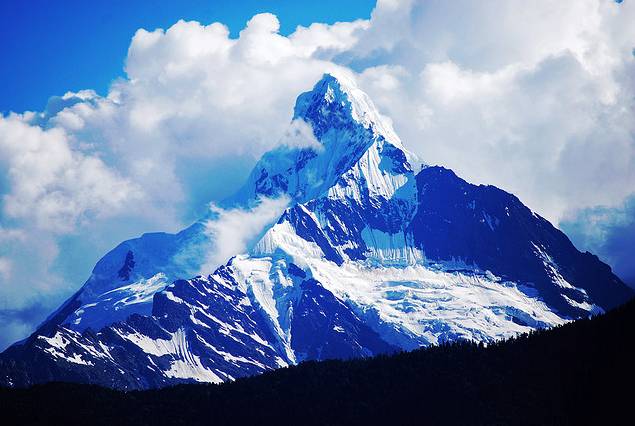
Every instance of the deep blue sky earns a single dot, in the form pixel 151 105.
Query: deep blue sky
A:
pixel 50 47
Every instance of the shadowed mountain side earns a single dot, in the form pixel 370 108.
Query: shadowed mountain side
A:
pixel 488 227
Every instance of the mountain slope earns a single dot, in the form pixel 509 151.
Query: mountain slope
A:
pixel 369 257
pixel 124 281
pixel 208 329
pixel 550 377
pixel 488 227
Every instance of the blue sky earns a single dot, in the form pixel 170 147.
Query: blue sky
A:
pixel 55 47
pixel 535 98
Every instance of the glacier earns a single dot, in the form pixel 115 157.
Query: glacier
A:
pixel 376 252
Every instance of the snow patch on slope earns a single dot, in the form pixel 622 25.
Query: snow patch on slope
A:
pixel 66 345
pixel 433 306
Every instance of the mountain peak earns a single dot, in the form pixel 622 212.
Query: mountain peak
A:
pixel 368 257
pixel 336 100
pixel 348 128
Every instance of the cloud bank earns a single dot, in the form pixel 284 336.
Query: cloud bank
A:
pixel 536 98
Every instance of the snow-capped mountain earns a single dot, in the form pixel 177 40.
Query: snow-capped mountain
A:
pixel 370 257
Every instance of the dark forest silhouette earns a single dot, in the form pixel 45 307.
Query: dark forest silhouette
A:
pixel 578 373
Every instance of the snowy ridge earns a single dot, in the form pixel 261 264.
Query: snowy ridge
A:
pixel 125 280
pixel 344 91
pixel 238 321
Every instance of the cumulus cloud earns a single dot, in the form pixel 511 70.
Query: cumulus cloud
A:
pixel 51 183
pixel 536 99
pixel 196 96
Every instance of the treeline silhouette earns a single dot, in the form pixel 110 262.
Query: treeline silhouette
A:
pixel 579 373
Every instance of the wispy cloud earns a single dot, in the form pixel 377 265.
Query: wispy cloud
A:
pixel 234 231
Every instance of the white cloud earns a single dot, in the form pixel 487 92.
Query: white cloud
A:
pixel 534 98
pixel 52 184
pixel 327 40
pixel 195 94
pixel 299 134
pixel 235 230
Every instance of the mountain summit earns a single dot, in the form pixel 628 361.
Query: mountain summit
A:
pixel 345 127
pixel 370 257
